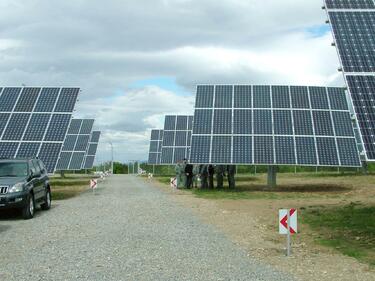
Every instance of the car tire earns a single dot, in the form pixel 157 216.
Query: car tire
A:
pixel 29 209
pixel 47 201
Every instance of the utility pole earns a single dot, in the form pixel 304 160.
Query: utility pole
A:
pixel 111 157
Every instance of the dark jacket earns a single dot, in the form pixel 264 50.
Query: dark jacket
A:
pixel 189 169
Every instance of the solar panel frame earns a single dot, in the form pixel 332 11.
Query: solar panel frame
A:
pixel 91 150
pixel 37 105
pixel 265 140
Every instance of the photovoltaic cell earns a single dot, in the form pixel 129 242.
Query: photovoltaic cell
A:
pixel 64 160
pixel 93 147
pixel 70 142
pixel 28 127
pixel 76 161
pixel 204 97
pixel 67 100
pixel 273 125
pixel 350 4
pixel 86 127
pixel 75 126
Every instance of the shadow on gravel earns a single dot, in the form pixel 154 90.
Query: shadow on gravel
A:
pixel 4 228
pixel 14 215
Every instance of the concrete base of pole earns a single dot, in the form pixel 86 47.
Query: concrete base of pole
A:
pixel 271 179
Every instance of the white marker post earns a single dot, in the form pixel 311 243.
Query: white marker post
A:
pixel 288 226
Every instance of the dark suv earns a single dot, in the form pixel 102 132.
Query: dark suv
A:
pixel 24 183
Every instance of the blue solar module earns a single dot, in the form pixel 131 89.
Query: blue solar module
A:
pixel 222 121
pixel 64 160
pixel 355 41
pixel 47 100
pixel 348 152
pixel 77 161
pixel 278 125
pixel 27 100
pixel 204 97
pixel 16 126
pixel 82 143
pixel 285 150
pixel 95 136
pixel 300 97
pixel 202 121
pixel 327 151
pixel 242 96
pixel 93 147
pixel 28 150
pixel 201 151
pixel 49 154
pixel 280 97
pixel 303 125
pixel 319 98
pixel 70 142
pixel 37 127
pixel 323 123
pixel 221 150
pixel 263 122
pixel 175 142
pixel 8 149
pixel 350 4
pixel 9 98
pixel 58 127
pixel 242 123
pixel 282 121
pixel 261 97
pixel 87 126
pixel 306 151
pixel 67 100
pixel 243 149
pixel 4 117
pixel 263 150
pixel 156 143
pixel 75 126
pixel 89 162
pixel 223 96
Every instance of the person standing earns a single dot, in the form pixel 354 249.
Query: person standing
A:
pixel 203 172
pixel 189 175
pixel 196 176
pixel 211 172
pixel 183 174
pixel 220 170
pixel 178 170
pixel 231 171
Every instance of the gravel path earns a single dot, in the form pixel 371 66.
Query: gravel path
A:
pixel 127 231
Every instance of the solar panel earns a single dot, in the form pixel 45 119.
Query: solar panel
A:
pixel 31 125
pixel 278 125
pixel 177 133
pixel 156 143
pixel 76 144
pixel 91 150
pixel 353 30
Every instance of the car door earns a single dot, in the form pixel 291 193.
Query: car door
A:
pixel 37 182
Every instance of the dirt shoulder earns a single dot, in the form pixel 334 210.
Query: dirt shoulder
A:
pixel 252 224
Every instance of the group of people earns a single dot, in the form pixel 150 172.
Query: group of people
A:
pixel 188 175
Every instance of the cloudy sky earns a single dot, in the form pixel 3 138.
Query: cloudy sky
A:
pixel 137 60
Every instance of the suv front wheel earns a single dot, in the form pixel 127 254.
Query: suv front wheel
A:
pixel 29 209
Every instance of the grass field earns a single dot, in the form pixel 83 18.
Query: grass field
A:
pixel 326 201
pixel 68 187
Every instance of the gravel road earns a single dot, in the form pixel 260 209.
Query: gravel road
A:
pixel 128 230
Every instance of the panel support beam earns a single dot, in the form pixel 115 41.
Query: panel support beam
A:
pixel 271 178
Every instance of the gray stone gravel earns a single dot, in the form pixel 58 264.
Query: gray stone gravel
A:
pixel 129 230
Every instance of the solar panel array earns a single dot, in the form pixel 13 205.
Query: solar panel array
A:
pixel 176 138
pixel 34 122
pixel 272 125
pixel 156 143
pixel 75 145
pixel 353 25
pixel 91 150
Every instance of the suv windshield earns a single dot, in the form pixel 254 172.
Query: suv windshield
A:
pixel 13 169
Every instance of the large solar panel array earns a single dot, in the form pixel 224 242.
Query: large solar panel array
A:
pixel 272 125
pixel 176 138
pixel 75 145
pixel 156 143
pixel 91 150
pixel 353 26
pixel 34 122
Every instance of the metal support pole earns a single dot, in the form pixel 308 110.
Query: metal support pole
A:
pixel 288 235
pixel 153 169
pixel 271 180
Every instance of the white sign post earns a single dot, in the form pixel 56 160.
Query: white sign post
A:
pixel 173 183
pixel 288 225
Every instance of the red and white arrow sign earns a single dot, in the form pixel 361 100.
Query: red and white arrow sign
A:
pixel 283 221
pixel 93 184
pixel 173 182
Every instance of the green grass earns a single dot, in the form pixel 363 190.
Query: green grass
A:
pixel 349 229
pixel 66 188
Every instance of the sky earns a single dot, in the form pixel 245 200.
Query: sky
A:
pixel 139 60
